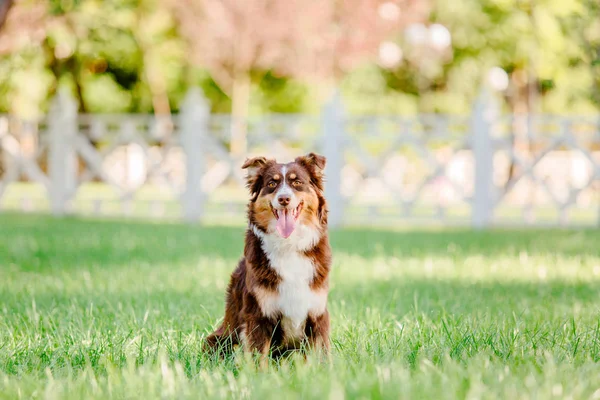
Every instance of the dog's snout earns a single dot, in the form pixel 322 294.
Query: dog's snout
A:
pixel 284 199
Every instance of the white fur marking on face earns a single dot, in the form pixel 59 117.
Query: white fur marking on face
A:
pixel 285 189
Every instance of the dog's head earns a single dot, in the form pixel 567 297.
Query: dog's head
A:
pixel 284 196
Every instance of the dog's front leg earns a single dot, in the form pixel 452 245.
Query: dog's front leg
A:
pixel 258 330
pixel 317 334
pixel 258 334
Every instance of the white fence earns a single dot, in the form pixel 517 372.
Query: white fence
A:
pixel 482 169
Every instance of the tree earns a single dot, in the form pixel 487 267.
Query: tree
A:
pixel 232 39
pixel 83 43
pixel 536 43
pixel 584 25
pixel 235 39
pixel 53 28
pixel 335 37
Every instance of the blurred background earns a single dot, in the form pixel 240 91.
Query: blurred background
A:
pixel 469 112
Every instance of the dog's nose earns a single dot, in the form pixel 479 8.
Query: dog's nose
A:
pixel 284 200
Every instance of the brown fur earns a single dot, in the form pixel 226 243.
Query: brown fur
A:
pixel 255 281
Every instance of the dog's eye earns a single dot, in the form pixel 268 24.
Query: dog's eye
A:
pixel 296 183
pixel 272 184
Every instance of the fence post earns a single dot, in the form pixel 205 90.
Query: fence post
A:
pixel 332 119
pixel 195 114
pixel 62 161
pixel 483 151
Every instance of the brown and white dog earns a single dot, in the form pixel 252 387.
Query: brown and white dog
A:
pixel 277 296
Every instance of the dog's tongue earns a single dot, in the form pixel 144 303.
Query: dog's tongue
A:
pixel 286 223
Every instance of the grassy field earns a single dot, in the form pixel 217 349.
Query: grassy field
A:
pixel 103 310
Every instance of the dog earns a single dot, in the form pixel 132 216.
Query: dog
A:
pixel 276 300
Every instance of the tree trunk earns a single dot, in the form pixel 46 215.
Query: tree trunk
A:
pixel 240 99
pixel 74 67
pixel 154 77
pixel 156 84
pixel 518 103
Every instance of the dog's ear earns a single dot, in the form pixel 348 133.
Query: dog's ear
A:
pixel 313 160
pixel 255 166
pixel 315 164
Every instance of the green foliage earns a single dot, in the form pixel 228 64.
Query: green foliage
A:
pixel 61 7
pixel 282 95
pixel 543 39
pixel 117 54
pixel 106 310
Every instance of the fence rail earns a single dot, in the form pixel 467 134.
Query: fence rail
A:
pixel 482 169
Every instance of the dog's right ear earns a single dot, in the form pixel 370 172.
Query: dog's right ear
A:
pixel 254 167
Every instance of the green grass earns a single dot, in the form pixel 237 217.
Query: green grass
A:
pixel 92 309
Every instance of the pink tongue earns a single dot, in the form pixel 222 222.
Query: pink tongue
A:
pixel 286 223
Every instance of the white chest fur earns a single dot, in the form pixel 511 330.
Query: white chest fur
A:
pixel 294 299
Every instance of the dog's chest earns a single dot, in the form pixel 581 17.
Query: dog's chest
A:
pixel 294 299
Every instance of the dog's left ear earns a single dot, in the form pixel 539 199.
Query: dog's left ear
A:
pixel 314 162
